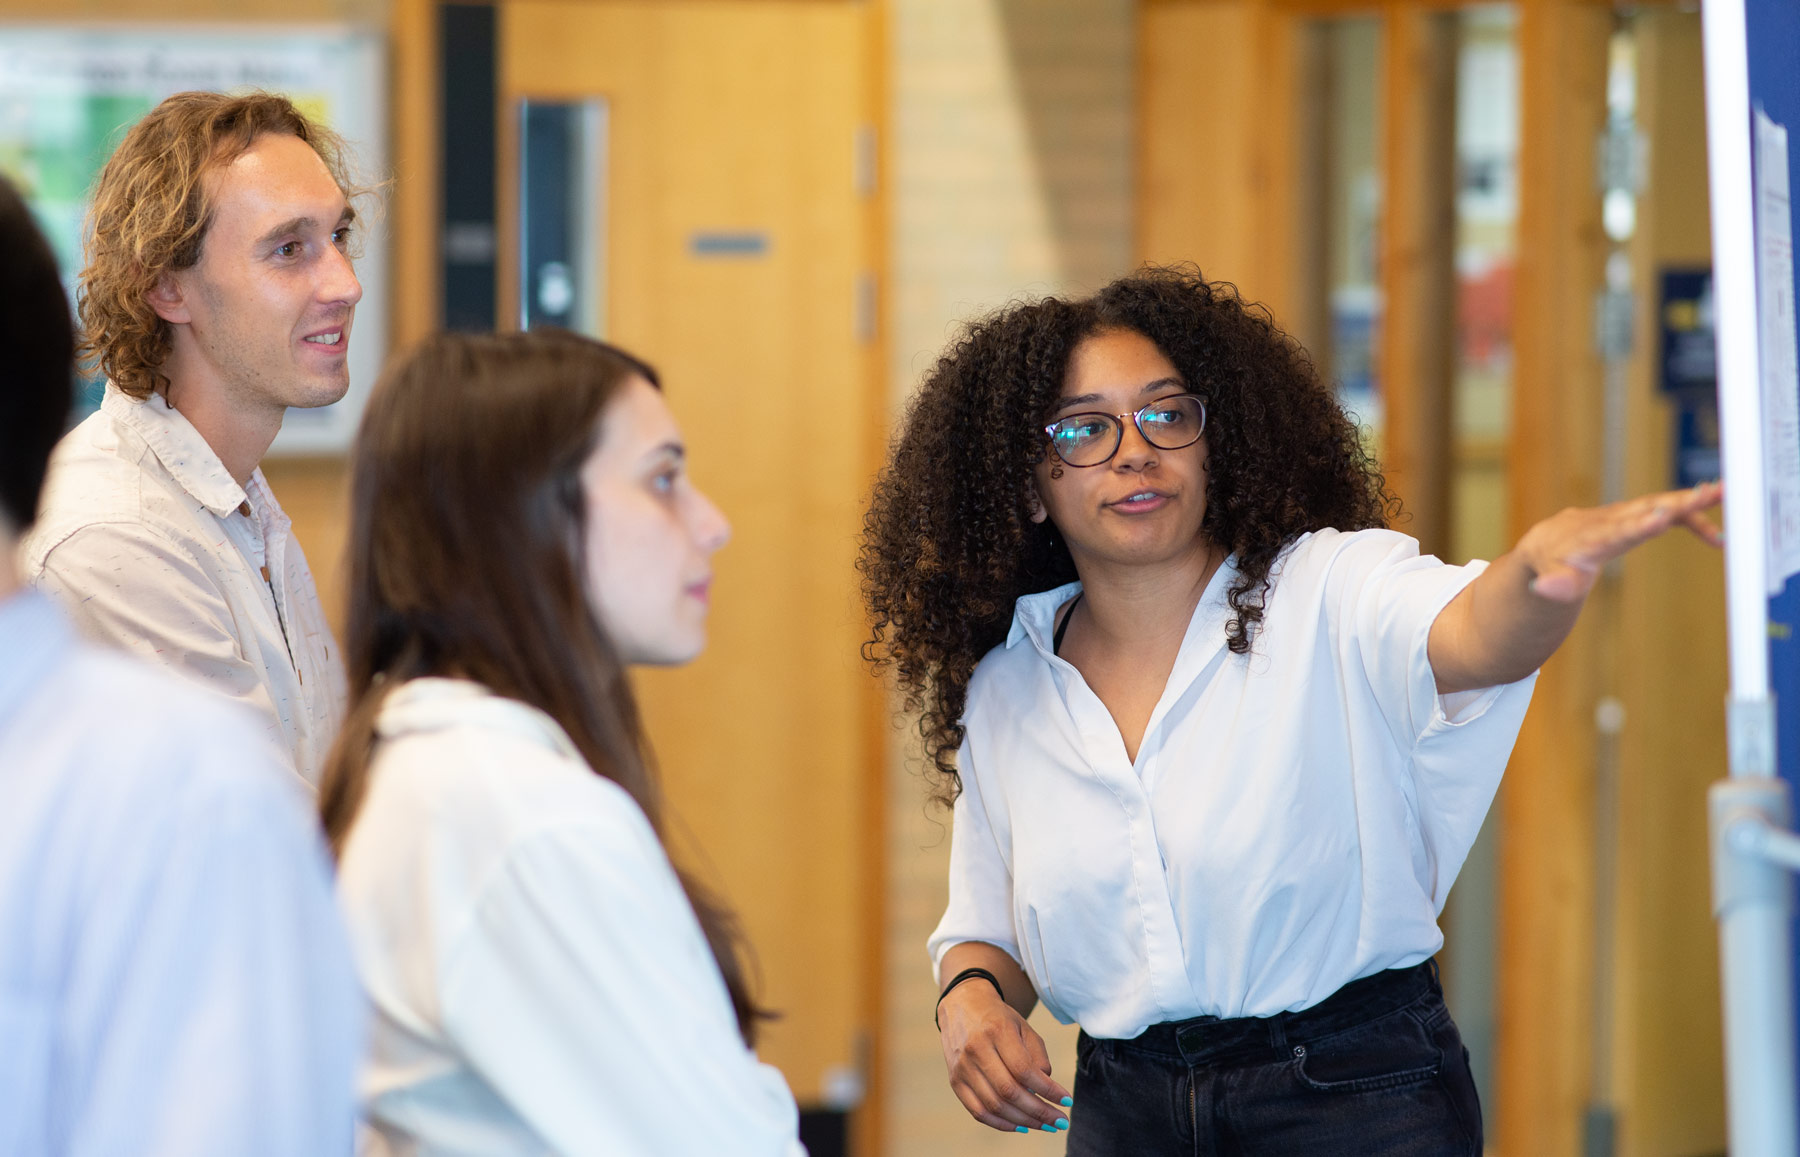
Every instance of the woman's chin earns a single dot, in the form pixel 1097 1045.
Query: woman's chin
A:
pixel 676 650
pixel 1143 550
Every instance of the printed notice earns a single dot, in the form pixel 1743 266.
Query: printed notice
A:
pixel 1780 361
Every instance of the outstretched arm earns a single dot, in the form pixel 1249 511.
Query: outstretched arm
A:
pixel 1513 617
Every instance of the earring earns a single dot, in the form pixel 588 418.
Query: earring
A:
pixel 1056 470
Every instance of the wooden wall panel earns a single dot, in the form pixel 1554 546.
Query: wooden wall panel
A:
pixel 743 116
pixel 1194 194
pixel 1223 125
pixel 869 1124
pixel 1671 670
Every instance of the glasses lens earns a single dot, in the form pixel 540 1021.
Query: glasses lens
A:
pixel 1085 439
pixel 1173 423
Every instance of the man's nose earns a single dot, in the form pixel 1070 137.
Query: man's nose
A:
pixel 340 283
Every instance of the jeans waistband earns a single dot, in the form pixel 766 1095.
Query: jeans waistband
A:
pixel 1208 1039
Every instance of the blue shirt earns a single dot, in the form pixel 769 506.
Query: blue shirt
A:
pixel 174 976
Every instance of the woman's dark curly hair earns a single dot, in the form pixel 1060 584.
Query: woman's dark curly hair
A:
pixel 949 545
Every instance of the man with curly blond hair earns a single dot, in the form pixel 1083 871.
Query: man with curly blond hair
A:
pixel 218 292
pixel 174 976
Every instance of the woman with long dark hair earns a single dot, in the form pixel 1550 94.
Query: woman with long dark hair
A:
pixel 1218 741
pixel 543 978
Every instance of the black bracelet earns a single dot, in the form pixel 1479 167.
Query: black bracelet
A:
pixel 965 974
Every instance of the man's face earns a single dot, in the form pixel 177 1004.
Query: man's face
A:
pixel 264 316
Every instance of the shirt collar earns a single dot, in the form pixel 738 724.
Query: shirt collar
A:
pixel 434 704
pixel 179 447
pixel 1034 616
pixel 33 637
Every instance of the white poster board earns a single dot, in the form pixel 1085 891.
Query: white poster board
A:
pixel 1780 371
pixel 68 93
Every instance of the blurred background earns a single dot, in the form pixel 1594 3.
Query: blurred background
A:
pixel 1488 222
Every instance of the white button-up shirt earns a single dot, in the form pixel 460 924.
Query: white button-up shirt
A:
pixel 539 979
pixel 147 540
pixel 1293 820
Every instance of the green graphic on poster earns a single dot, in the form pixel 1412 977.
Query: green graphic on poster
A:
pixel 68 96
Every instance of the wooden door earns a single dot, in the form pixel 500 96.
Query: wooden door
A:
pixel 738 249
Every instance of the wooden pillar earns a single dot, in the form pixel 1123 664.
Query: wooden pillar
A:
pixel 1545 1008
pixel 1222 163
pixel 412 199
pixel 1416 354
pixel 1670 1082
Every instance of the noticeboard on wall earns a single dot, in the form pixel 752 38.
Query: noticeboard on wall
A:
pixel 68 93
pixel 1775 113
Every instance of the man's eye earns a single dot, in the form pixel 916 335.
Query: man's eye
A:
pixel 663 483
pixel 289 249
pixel 342 237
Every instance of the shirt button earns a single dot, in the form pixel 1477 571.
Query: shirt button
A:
pixel 244 508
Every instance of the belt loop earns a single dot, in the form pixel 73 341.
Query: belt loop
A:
pixel 1436 982
pixel 1278 1032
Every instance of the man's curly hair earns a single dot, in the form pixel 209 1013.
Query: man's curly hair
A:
pixel 949 545
pixel 151 212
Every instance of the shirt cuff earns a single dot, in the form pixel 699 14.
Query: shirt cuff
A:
pixel 941 945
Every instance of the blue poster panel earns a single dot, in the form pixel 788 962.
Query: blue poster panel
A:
pixel 1774 43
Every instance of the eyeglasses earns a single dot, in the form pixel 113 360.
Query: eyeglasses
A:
pixel 1092 439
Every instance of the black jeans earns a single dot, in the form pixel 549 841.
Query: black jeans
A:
pixel 1375 1068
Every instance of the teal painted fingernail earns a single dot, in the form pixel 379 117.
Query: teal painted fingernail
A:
pixel 1068 1102
pixel 1049 1128
pixel 1023 1129
pixel 1062 1122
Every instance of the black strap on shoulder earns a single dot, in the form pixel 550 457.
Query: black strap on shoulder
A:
pixel 1062 628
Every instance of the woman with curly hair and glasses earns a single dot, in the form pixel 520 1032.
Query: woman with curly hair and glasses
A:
pixel 1218 740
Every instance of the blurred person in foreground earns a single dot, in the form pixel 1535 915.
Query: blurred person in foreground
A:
pixel 218 292
pixel 174 977
pixel 1219 740
pixel 523 529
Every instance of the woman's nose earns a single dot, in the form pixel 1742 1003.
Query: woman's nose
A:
pixel 711 528
pixel 1135 450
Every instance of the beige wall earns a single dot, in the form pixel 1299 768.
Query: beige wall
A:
pixel 1010 165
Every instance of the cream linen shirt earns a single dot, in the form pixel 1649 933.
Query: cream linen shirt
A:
pixel 539 981
pixel 1292 822
pixel 147 540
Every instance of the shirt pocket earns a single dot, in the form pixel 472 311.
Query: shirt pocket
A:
pixel 1032 944
pixel 1059 945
